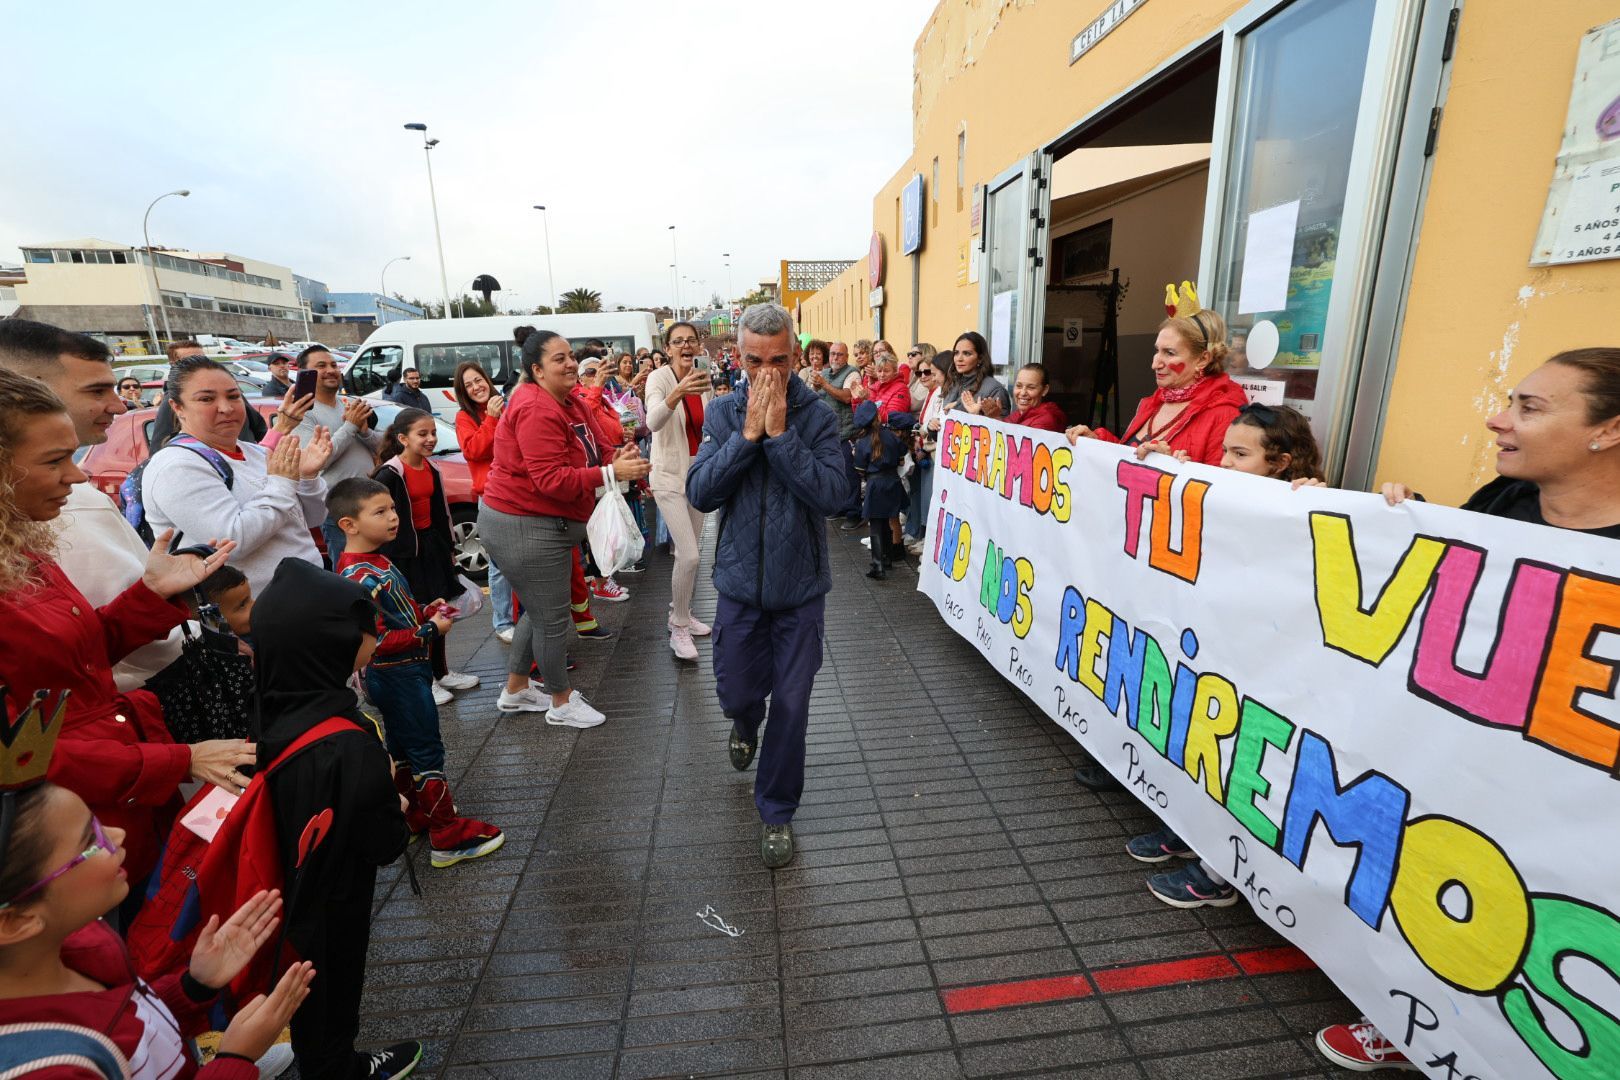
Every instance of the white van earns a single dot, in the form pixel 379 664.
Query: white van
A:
pixel 436 347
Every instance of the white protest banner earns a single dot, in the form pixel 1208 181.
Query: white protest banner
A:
pixel 1393 729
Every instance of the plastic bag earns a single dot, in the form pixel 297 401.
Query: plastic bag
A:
pixel 615 540
pixel 471 600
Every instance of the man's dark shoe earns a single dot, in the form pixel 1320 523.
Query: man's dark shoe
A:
pixel 851 524
pixel 877 572
pixel 742 753
pixel 1097 778
pixel 776 845
pixel 596 633
pixel 394 1062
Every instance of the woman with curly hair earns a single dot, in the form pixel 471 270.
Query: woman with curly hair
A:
pixel 114 751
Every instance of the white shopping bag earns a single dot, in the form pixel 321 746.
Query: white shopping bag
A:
pixel 471 600
pixel 615 540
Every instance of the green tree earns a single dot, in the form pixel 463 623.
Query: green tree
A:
pixel 758 296
pixel 580 300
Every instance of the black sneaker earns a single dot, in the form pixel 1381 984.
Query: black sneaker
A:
pixel 851 524
pixel 639 567
pixel 395 1061
pixel 1097 778
pixel 742 753
pixel 596 633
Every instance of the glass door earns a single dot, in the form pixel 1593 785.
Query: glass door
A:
pixel 1313 94
pixel 1006 284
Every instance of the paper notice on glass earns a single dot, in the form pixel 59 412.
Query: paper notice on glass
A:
pixel 1262 391
pixel 1268 256
pixel 1001 317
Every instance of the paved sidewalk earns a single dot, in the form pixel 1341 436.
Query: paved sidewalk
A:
pixel 958 906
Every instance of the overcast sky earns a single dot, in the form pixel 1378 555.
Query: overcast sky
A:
pixel 760 129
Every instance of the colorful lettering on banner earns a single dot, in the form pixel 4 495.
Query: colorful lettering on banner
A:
pixel 1426 826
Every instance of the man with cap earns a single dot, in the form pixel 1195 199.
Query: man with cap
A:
pixel 771 461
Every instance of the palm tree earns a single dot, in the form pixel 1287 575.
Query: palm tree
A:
pixel 581 299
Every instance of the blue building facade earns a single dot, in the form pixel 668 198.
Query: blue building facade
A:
pixel 369 307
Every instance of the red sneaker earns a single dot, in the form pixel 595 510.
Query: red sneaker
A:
pixel 1360 1046
pixel 609 590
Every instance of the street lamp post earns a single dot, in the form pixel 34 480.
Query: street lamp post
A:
pixel 382 282
pixel 157 290
pixel 674 254
pixel 427 152
pixel 545 225
pixel 731 293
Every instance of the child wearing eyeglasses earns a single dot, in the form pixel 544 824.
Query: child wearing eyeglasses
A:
pixel 69 977
pixel 1264 440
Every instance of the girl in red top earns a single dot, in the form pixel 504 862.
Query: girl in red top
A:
pixel 1195 402
pixel 114 752
pixel 425 549
pixel 69 975
pixel 549 463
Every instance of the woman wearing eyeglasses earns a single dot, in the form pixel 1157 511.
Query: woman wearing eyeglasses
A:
pixel 676 398
pixel 1194 401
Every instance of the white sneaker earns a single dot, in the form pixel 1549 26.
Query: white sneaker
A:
pixel 505 634
pixel 914 548
pixel 458 680
pixel 680 643
pixel 441 696
pixel 276 1060
pixel 526 700
pixel 576 712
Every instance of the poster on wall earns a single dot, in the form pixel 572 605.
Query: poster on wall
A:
pixel 1582 220
pixel 1393 729
pixel 1003 309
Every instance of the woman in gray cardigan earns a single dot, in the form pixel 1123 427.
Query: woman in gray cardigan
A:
pixel 676 397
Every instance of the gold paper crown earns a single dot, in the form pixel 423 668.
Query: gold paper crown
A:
pixel 1185 306
pixel 27 742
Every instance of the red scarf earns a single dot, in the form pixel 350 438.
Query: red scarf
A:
pixel 694 422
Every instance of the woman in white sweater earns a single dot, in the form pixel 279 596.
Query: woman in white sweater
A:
pixel 676 397
pixel 273 498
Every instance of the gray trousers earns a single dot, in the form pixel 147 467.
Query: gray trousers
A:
pixel 537 556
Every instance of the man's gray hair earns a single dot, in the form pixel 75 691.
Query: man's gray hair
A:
pixel 766 320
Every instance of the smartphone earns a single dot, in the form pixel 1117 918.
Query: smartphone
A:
pixel 701 362
pixel 304 385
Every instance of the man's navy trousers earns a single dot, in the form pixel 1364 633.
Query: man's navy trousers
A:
pixel 770 654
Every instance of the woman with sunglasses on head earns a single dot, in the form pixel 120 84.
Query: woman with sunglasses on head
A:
pixel 1195 400
pixel 1557 464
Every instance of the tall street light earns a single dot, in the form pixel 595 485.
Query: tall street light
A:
pixel 675 266
pixel 427 152
pixel 731 293
pixel 157 290
pixel 545 224
pixel 382 282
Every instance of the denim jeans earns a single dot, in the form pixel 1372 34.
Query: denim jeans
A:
pixel 404 693
pixel 335 540
pixel 500 598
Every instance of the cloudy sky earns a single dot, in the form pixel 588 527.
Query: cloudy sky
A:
pixel 759 129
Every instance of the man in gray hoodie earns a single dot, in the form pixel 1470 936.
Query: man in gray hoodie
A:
pixel 355 442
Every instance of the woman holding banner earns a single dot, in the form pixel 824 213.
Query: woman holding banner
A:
pixel 1558 464
pixel 1195 400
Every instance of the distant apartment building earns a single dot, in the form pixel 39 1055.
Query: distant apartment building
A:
pixel 131 297
pixel 369 308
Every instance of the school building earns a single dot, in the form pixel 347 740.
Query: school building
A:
pixel 1400 206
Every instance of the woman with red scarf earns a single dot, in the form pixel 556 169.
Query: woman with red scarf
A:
pixel 676 396
pixel 1195 402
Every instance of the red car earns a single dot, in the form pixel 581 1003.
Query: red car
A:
pixel 108 464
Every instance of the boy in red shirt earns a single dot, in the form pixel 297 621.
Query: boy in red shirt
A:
pixel 399 679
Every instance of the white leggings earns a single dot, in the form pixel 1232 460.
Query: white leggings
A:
pixel 685 526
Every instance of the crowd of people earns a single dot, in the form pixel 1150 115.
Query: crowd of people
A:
pixel 315 554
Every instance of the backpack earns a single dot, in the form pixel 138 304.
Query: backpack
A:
pixel 45 1045
pixel 196 878
pixel 130 490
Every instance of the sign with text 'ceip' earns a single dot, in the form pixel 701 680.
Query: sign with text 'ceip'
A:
pixel 1392 729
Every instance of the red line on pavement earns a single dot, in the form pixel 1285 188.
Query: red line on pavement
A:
pixel 1122 980
pixel 1023 992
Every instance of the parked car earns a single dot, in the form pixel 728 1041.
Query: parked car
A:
pixel 108 464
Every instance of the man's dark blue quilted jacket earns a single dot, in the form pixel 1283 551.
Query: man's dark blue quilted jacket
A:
pixel 774 497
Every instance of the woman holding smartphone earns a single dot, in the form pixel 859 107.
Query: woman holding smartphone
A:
pixel 550 461
pixel 676 398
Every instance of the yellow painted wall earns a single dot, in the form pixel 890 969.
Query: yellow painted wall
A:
pixel 1479 316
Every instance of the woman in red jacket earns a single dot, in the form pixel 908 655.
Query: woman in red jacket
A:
pixel 114 751
pixel 480 415
pixel 1195 402
pixel 550 460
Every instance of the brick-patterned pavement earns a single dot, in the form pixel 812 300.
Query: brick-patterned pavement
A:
pixel 942 845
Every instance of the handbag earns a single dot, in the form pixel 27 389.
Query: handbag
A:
pixel 208 692
pixel 614 537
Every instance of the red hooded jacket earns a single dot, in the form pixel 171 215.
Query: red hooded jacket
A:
pixel 890 396
pixel 540 467
pixel 477 439
pixel 1046 416
pixel 1202 425
pixel 96 952
pixel 606 416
